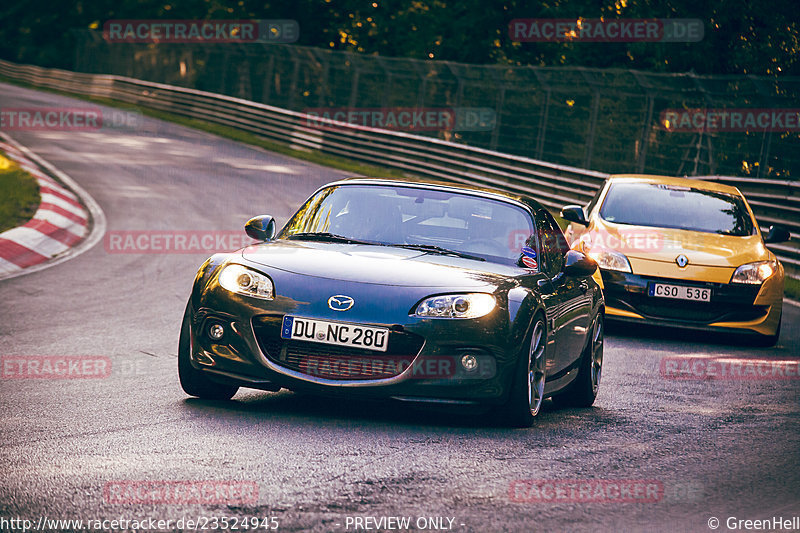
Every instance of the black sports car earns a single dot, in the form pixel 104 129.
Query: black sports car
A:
pixel 420 292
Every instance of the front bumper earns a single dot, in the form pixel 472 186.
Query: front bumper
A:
pixel 751 308
pixel 422 363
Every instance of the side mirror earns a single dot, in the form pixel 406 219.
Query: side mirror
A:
pixel 260 228
pixel 579 265
pixel 574 213
pixel 777 234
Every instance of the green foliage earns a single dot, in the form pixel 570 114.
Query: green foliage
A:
pixel 741 37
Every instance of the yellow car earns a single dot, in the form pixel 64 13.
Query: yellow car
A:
pixel 685 252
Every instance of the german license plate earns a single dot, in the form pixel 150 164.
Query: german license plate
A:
pixel 337 333
pixel 680 292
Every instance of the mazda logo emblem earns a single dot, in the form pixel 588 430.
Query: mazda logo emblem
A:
pixel 682 260
pixel 340 302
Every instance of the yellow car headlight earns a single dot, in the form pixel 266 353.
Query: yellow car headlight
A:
pixel 608 260
pixel 755 273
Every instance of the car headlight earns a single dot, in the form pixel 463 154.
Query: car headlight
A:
pixel 243 280
pixel 456 306
pixel 755 273
pixel 608 260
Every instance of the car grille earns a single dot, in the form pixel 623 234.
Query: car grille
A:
pixel 682 310
pixel 336 362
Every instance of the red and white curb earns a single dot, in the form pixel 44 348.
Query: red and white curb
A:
pixel 61 226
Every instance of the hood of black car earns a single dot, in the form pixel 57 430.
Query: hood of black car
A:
pixel 384 265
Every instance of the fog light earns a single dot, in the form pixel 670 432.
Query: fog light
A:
pixel 216 332
pixel 469 362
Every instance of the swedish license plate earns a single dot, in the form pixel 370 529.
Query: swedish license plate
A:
pixel 336 333
pixel 680 292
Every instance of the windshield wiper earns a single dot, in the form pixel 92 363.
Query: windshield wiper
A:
pixel 438 250
pixel 325 236
pixel 333 237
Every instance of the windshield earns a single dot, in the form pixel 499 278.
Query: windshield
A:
pixel 410 216
pixel 668 206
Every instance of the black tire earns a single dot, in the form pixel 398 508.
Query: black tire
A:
pixel 193 381
pixel 525 399
pixel 583 391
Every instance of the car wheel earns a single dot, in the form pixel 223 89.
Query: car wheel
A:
pixel 583 391
pixel 527 389
pixel 193 381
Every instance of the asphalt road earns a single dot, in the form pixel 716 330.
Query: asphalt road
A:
pixel 716 448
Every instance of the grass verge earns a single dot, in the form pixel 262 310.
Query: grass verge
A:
pixel 19 194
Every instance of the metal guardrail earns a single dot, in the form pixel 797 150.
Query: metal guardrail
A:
pixel 552 185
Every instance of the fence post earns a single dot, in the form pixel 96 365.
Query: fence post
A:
pixel 498 108
pixel 545 111
pixel 266 88
pixel 324 82
pixel 354 90
pixel 387 82
pixel 587 161
pixel 640 164
pixel 764 156
pixel 295 76
pixel 648 123
pixel 460 89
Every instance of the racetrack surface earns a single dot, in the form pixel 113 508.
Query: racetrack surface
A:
pixel 717 447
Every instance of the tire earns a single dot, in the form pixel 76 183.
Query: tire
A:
pixel 193 381
pixel 583 391
pixel 527 388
